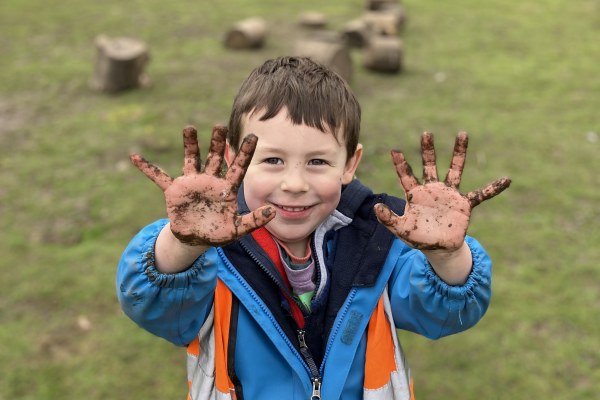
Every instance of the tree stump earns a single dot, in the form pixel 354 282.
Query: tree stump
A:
pixel 313 20
pixel 382 23
pixel 379 4
pixel 246 34
pixel 328 49
pixel 120 64
pixel 383 54
pixel 356 32
pixel 398 13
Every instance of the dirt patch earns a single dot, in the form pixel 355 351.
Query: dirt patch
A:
pixel 13 116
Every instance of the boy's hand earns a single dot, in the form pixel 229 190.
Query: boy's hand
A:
pixel 436 216
pixel 202 205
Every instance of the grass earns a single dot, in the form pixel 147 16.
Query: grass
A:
pixel 520 76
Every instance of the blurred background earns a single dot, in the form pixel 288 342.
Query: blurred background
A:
pixel 522 77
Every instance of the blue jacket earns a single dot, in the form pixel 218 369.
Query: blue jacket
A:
pixel 358 260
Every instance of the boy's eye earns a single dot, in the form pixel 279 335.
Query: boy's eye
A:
pixel 318 161
pixel 273 160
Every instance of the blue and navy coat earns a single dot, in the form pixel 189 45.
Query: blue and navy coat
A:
pixel 246 337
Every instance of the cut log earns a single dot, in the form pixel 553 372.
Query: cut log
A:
pixel 120 64
pixel 399 13
pixel 379 4
pixel 246 34
pixel 383 54
pixel 356 32
pixel 330 50
pixel 382 23
pixel 313 20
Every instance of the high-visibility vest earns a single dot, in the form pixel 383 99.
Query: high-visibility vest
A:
pixel 210 378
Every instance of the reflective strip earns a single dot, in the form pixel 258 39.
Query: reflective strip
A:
pixel 386 376
pixel 380 362
pixel 207 354
pixel 222 320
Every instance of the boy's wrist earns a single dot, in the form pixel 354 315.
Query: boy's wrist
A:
pixel 453 266
pixel 172 255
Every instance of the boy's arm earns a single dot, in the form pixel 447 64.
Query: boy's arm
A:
pixel 436 216
pixel 172 306
pixel 202 205
pixel 425 304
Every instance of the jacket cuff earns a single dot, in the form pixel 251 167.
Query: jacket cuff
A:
pixel 480 276
pixel 178 280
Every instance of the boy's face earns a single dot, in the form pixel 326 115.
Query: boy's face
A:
pixel 299 171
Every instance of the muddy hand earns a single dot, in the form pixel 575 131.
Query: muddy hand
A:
pixel 202 205
pixel 436 215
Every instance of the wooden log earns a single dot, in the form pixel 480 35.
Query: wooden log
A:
pixel 246 34
pixel 329 49
pixel 399 13
pixel 382 23
pixel 120 64
pixel 379 4
pixel 313 20
pixel 356 32
pixel 383 54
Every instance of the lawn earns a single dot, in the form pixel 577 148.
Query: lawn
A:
pixel 522 77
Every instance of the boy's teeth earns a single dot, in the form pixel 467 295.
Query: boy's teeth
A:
pixel 295 209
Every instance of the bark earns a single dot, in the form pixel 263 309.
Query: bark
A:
pixel 247 34
pixel 120 64
pixel 313 20
pixel 379 4
pixel 356 33
pixel 330 50
pixel 386 22
pixel 383 54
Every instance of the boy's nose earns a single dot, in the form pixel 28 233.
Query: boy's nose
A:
pixel 294 181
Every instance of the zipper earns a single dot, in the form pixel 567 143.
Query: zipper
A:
pixel 262 306
pixel 316 376
pixel 305 355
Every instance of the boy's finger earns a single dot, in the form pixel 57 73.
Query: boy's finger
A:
pixel 458 160
pixel 404 171
pixel 493 189
pixel 428 155
pixel 156 175
pixel 216 150
pixel 191 152
pixel 237 170
pixel 388 218
pixel 257 218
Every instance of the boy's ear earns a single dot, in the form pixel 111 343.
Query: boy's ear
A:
pixel 352 165
pixel 229 154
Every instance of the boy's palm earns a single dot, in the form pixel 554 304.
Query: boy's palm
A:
pixel 202 205
pixel 436 215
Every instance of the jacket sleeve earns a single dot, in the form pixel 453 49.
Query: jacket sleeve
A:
pixel 423 303
pixel 172 306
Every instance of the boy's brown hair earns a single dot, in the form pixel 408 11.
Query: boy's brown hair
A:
pixel 313 95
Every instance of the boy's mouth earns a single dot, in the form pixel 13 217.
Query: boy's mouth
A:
pixel 292 208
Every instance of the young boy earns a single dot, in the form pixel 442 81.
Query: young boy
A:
pixel 286 278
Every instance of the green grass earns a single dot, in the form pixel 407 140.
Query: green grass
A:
pixel 521 77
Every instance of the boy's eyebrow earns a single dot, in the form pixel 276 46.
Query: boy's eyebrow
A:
pixel 270 149
pixel 279 150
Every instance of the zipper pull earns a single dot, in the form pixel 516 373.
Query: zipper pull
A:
pixel 301 339
pixel 316 389
pixel 316 379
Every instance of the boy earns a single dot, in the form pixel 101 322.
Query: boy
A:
pixel 281 277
